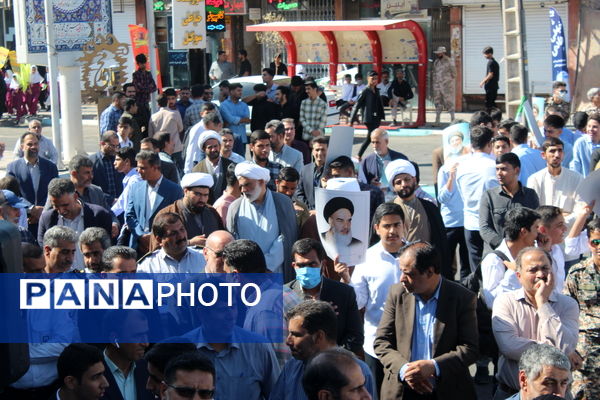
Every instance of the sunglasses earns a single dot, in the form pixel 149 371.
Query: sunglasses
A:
pixel 218 254
pixel 595 242
pixel 189 392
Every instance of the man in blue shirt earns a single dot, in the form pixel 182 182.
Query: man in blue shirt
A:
pixel 109 119
pixel 236 113
pixel 585 146
pixel 531 159
pixel 427 336
pixel 312 329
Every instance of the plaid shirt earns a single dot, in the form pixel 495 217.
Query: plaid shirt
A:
pixel 313 115
pixel 144 86
pixel 274 169
pixel 109 119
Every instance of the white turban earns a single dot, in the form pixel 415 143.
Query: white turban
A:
pixel 204 136
pixel 197 179
pixel 348 184
pixel 398 167
pixel 250 170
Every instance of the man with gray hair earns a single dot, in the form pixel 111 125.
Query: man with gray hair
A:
pixel 92 243
pixel 120 260
pixel 531 315
pixel 59 249
pixel 372 167
pixel 69 210
pixel 280 152
pixel 543 369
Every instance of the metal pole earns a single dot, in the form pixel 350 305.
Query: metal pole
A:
pixel 151 49
pixel 52 78
pixel 525 61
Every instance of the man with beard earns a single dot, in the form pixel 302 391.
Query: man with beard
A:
pixel 104 174
pixel 47 149
pixel 312 329
pixel 214 164
pixel 281 153
pixel 422 218
pixel 260 148
pixel 199 219
pixel 373 165
pixel 194 151
pixel 264 216
pixel 174 255
pixel 310 175
pixel 228 141
pixel 92 243
pixel 68 210
pixel 338 213
pixel 11 206
pixel 33 174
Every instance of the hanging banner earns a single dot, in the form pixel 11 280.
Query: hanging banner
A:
pixel 559 52
pixel 139 45
pixel 189 24
pixel 215 15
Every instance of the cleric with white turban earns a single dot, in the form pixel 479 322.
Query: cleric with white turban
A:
pixel 398 167
pixel 250 170
pixel 194 179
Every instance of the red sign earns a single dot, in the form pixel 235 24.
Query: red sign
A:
pixel 139 43
pixel 235 7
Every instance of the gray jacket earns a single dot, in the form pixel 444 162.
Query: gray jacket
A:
pixel 286 218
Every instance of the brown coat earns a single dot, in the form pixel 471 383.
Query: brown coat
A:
pixel 455 344
pixel 176 208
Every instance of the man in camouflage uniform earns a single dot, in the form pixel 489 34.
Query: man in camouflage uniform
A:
pixel 583 284
pixel 558 100
pixel 444 76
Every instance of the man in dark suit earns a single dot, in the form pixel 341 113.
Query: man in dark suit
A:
pixel 80 373
pixel 308 256
pixel 105 174
pixel 68 210
pixel 370 105
pixel 431 360
pixel 310 175
pixel 122 357
pixel 373 165
pixel 213 164
pixel 168 168
pixel 147 198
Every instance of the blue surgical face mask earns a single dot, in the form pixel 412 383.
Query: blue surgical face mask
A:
pixel 309 277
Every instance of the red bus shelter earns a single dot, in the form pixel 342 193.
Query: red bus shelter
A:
pixel 375 42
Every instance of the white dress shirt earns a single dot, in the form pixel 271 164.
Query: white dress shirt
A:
pixel 160 262
pixel 34 171
pixel 193 151
pixel 78 226
pixel 496 278
pixel 371 281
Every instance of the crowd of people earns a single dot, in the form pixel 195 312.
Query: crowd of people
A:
pixel 178 191
pixel 22 96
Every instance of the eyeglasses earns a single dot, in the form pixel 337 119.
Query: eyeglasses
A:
pixel 595 242
pixel 218 254
pixel 189 392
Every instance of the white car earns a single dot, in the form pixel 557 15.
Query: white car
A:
pixel 248 83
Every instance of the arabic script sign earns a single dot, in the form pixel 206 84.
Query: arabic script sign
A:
pixel 215 15
pixel 235 7
pixel 189 24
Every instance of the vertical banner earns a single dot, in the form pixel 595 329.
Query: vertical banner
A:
pixel 559 52
pixel 189 24
pixel 139 45
pixel 215 15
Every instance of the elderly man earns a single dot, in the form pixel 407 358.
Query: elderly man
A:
pixel 264 216
pixel 174 255
pixel 199 219
pixel 211 122
pixel 92 244
pixel 423 220
pixel 120 260
pixel 444 79
pixel 373 278
pixel 148 197
pixel 543 370
pixel 583 284
pixel 47 149
pixel 373 165
pixel 312 327
pixel 427 337
pixel 533 314
pixel 309 257
pixel 60 244
pixel 281 153
pixel 214 164
pixel 12 206
pixel 290 138
pixel 213 250
pixel 104 174
pixel 68 210
pixel 310 175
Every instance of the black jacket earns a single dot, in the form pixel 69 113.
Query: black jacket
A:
pixel 370 105
pixel 93 216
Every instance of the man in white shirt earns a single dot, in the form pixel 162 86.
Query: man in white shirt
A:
pixel 194 151
pixel 372 279
pixel 174 256
pixel 533 314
